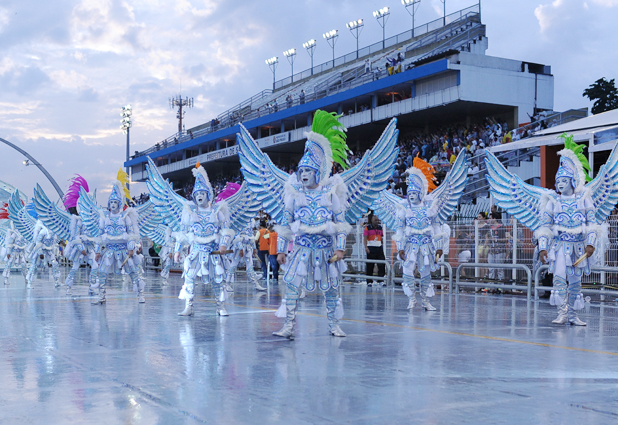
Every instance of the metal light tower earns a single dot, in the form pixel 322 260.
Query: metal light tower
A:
pixel 33 161
pixel 356 27
pixel 272 63
pixel 125 125
pixel 179 102
pixel 310 46
pixel 331 38
pixel 382 14
pixel 411 7
pixel 291 55
pixel 444 19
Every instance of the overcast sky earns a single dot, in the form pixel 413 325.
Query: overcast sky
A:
pixel 69 66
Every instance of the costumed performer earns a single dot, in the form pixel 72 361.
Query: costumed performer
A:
pixel 315 209
pixel 568 223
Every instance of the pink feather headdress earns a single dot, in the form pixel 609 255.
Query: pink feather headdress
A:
pixel 229 190
pixel 72 195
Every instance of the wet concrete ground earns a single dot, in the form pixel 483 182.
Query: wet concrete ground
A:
pixel 479 359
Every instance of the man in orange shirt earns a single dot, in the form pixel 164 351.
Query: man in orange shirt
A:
pixel 272 251
pixel 263 245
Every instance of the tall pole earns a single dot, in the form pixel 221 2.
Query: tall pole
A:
pixel 411 7
pixel 382 14
pixel 179 102
pixel 356 26
pixel 127 167
pixel 272 64
pixel 125 125
pixel 38 164
pixel 310 47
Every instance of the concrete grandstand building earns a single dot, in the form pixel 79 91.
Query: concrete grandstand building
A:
pixel 445 78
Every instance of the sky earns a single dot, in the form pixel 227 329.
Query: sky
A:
pixel 68 66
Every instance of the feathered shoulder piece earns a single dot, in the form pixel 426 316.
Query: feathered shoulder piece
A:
pixel 72 195
pixel 427 170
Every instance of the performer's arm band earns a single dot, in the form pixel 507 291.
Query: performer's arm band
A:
pixel 543 243
pixel 340 241
pixel 591 239
pixel 225 240
pixel 282 245
pixel 131 245
pixel 177 247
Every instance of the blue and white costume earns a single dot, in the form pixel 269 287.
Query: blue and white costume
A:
pixel 43 250
pixel 419 225
pixel 167 254
pixel 70 227
pixel 565 223
pixel 14 250
pixel 117 231
pixel 42 242
pixel 315 213
pixel 204 227
pixel 243 247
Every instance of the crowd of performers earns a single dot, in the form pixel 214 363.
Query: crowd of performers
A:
pixel 312 211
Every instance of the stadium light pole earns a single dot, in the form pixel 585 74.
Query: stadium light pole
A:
pixel 272 63
pixel 444 18
pixel 382 14
pixel 356 27
pixel 411 7
pixel 30 160
pixel 331 38
pixel 291 55
pixel 310 46
pixel 125 125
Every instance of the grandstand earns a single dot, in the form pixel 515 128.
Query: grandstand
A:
pixel 445 79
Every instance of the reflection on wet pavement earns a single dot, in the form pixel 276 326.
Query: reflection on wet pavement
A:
pixel 479 359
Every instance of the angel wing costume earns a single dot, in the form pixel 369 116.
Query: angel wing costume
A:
pixel 116 232
pixel 42 242
pixel 205 226
pixel 13 250
pixel 419 222
pixel 313 208
pixel 243 246
pixel 69 227
pixel 568 223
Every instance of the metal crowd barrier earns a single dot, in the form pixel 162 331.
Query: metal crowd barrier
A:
pixel 439 263
pixel 601 291
pixel 387 270
pixel 493 285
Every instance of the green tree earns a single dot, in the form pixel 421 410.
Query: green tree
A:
pixel 604 94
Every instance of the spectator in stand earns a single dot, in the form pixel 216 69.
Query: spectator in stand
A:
pixel 301 97
pixel 263 246
pixel 372 238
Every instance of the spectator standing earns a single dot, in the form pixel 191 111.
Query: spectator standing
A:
pixel 372 238
pixel 272 253
pixel 301 97
pixel 496 238
pixel 263 246
pixel 367 66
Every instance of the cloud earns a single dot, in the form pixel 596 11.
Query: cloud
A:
pixel 23 79
pixel 88 94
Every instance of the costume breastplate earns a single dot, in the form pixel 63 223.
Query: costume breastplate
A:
pixel 48 241
pixel 570 216
pixel 116 227
pixel 418 220
pixel 203 227
pixel 313 214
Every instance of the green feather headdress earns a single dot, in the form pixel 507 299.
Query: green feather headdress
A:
pixel 327 124
pixel 577 151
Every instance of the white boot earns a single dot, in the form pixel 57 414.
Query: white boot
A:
pixel 412 301
pixel 562 315
pixel 221 311
pixel 188 311
pixel 287 331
